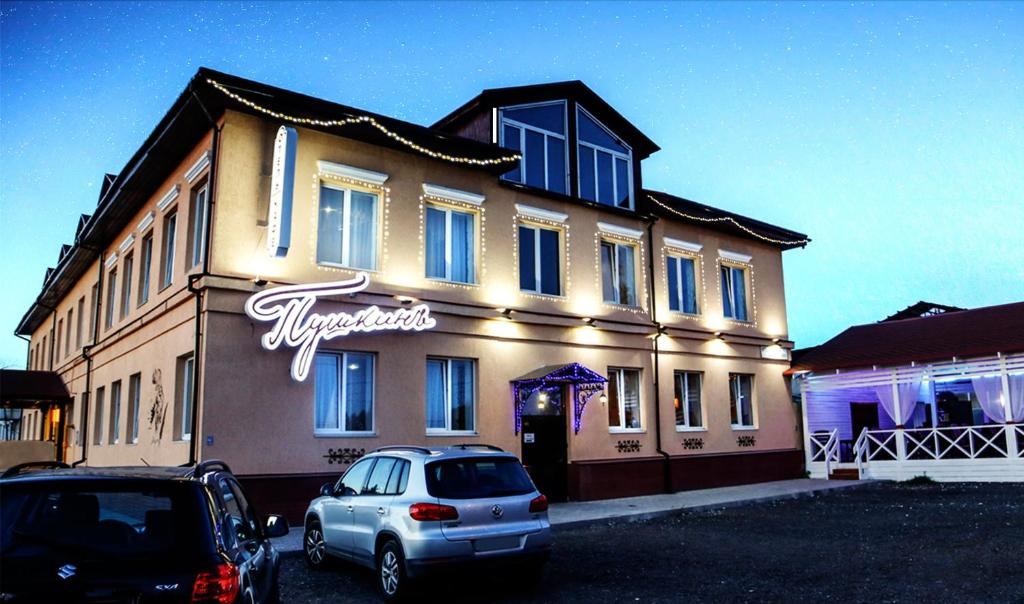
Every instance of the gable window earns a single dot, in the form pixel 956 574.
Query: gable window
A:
pixel 734 292
pixel 347 228
pixel 146 260
pixel 687 402
pixel 605 164
pixel 623 399
pixel 537 132
pixel 618 273
pixel 111 297
pixel 199 217
pixel 126 286
pixel 741 401
pixel 682 284
pixel 539 263
pixel 451 244
pixel 167 252
pixel 451 396
pixel 343 393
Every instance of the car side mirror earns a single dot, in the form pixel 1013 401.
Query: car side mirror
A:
pixel 276 526
pixel 327 490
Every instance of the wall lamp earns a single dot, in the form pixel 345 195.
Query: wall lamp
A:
pixel 505 312
pixel 719 335
pixel 405 299
pixel 591 321
pixel 259 281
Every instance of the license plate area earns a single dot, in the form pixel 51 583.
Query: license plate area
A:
pixel 497 543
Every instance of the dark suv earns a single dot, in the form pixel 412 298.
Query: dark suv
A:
pixel 134 535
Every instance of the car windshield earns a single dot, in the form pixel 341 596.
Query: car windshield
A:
pixel 477 478
pixel 102 520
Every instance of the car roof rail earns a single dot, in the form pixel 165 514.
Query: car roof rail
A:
pixel 31 465
pixel 465 446
pixel 423 450
pixel 210 465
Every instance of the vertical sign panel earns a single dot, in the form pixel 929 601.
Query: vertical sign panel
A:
pixel 282 185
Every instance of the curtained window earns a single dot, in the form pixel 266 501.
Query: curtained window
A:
pixel 687 401
pixel 343 393
pixel 734 292
pixel 741 400
pixel 347 228
pixel 624 399
pixel 450 244
pixel 539 264
pixel 450 395
pixel 682 284
pixel 618 273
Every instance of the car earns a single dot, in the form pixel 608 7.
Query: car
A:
pixel 134 534
pixel 409 511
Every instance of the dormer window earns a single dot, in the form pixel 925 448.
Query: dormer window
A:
pixel 605 164
pixel 538 133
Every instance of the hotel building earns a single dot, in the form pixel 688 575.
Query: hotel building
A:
pixel 499 277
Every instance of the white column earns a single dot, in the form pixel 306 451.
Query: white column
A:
pixel 901 443
pixel 1011 438
pixel 803 412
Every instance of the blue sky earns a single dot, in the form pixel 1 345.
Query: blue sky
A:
pixel 891 133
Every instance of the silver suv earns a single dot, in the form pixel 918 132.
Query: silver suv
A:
pixel 405 511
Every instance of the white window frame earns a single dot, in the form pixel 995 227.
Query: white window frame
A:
pixel 685 402
pixel 127 267
pixel 734 391
pixel 679 283
pixel 614 153
pixel 615 273
pixel 115 412
pixel 727 293
pixel 448 241
pixel 503 121
pixel 343 397
pixel 536 228
pixel 168 243
pixel 202 210
pixel 620 399
pixel 110 314
pixel 447 430
pixel 145 267
pixel 188 376
pixel 135 401
pixel 346 231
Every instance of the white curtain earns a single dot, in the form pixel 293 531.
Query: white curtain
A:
pixel 903 409
pixel 1017 397
pixel 989 391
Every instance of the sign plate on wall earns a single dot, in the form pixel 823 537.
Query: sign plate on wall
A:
pixel 282 184
pixel 294 324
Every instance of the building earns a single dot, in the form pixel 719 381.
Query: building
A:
pixel 522 289
pixel 933 391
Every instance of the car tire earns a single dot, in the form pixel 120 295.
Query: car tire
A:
pixel 313 545
pixel 392 581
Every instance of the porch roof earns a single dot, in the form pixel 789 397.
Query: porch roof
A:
pixel 968 333
pixel 26 388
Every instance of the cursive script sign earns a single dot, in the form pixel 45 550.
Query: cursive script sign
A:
pixel 290 310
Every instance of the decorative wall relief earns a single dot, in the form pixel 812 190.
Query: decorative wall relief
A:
pixel 344 456
pixel 158 410
pixel 628 446
pixel 746 441
pixel 693 444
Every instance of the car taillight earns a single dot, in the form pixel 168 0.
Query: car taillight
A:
pixel 433 511
pixel 218 586
pixel 538 504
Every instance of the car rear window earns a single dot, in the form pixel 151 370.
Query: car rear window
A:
pixel 106 520
pixel 477 478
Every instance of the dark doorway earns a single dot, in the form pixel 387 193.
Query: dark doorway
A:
pixel 863 415
pixel 545 442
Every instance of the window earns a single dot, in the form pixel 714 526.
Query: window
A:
pixel 347 228
pixel 185 374
pixel 451 396
pixel 146 260
pixel 47 361
pixel 57 338
pixel 741 402
pixel 80 323
pixel 477 478
pixel 83 403
pixel 682 284
pixel 353 480
pixel 539 264
pixel 687 403
pixel 97 421
pixel 343 393
pixel 605 174
pixel 167 251
pixel 94 299
pixel 67 334
pixel 111 298
pixel 618 273
pixel 624 399
pixel 115 413
pixel 734 292
pixel 134 398
pixel 198 216
pixel 537 132
pixel 378 481
pixel 242 527
pixel 451 246
pixel 126 286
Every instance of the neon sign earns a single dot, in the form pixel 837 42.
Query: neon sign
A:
pixel 295 325
pixel 282 183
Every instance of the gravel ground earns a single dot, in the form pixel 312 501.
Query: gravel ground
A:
pixel 879 543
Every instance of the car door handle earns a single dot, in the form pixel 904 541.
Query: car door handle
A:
pixel 349 508
pixel 380 511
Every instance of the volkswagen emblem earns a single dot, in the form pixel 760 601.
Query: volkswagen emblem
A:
pixel 497 512
pixel 67 571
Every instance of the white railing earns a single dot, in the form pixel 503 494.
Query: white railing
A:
pixel 966 442
pixel 859 450
pixel 1018 433
pixel 825 448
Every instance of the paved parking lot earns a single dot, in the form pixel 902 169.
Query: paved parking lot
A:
pixel 882 542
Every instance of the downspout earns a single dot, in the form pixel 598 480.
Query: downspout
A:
pixel 28 353
pixel 86 354
pixel 666 458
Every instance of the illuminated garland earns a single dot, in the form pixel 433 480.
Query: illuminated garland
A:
pixel 365 119
pixel 729 219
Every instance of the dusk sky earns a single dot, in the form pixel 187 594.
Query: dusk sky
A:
pixel 890 133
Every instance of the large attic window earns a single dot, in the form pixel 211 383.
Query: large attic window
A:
pixel 605 164
pixel 537 131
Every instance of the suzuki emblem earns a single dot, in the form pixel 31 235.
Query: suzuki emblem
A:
pixel 497 512
pixel 67 571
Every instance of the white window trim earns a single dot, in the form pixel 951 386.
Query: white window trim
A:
pixel 199 226
pixel 734 387
pixel 346 210
pixel 343 399
pixel 146 221
pixel 735 256
pixel 168 197
pixel 613 229
pixel 449 194
pixel 614 153
pixel 187 391
pixel 448 244
pixel 679 244
pixel 679 284
pixel 621 383
pixel 369 177
pixel 198 167
pixel 537 273
pixel 111 260
pixel 168 252
pixel 687 427
pixel 523 127
pixel 127 243
pixel 541 214
pixel 727 293
pixel 616 278
pixel 447 430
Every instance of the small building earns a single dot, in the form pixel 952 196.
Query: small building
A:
pixel 933 391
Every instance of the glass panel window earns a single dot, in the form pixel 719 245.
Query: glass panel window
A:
pixel 111 297
pixel 605 173
pixel 186 370
pixel 126 286
pixel 134 399
pixel 378 482
pixel 80 322
pixel 538 133
pixel 167 252
pixel 347 228
pixel 682 284
pixel 741 401
pixel 624 399
pixel 539 264
pixel 97 421
pixel 200 214
pixel 145 264
pixel 687 400
pixel 354 479
pixel 115 413
pixel 94 300
pixel 451 244
pixel 343 392
pixel 451 395
pixel 67 334
pixel 734 292
pixel 618 273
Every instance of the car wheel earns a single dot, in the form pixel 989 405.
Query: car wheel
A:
pixel 391 579
pixel 314 546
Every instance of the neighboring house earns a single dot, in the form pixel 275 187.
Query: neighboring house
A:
pixel 933 390
pixel 524 289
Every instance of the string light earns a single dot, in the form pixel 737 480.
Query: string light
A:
pixel 748 269
pixel 364 119
pixel 383 195
pixel 701 294
pixel 563 230
pixel 729 219
pixel 478 212
pixel 638 245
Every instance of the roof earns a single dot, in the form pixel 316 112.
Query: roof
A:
pixel 968 333
pixel 571 373
pixel 678 208
pixel 27 387
pixel 922 309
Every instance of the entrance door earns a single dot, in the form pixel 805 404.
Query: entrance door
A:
pixel 863 415
pixel 545 443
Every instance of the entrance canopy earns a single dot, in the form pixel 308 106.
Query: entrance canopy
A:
pixel 585 383
pixel 31 389
pixel 43 390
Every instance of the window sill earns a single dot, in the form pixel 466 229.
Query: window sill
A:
pixel 452 282
pixel 452 433
pixel 689 429
pixel 343 434
pixel 552 297
pixel 685 315
pixel 620 306
pixel 744 428
pixel 627 430
pixel 321 263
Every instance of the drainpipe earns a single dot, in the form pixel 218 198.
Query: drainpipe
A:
pixel 87 355
pixel 666 458
pixel 28 353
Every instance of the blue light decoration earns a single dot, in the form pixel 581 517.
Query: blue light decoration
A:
pixel 585 382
